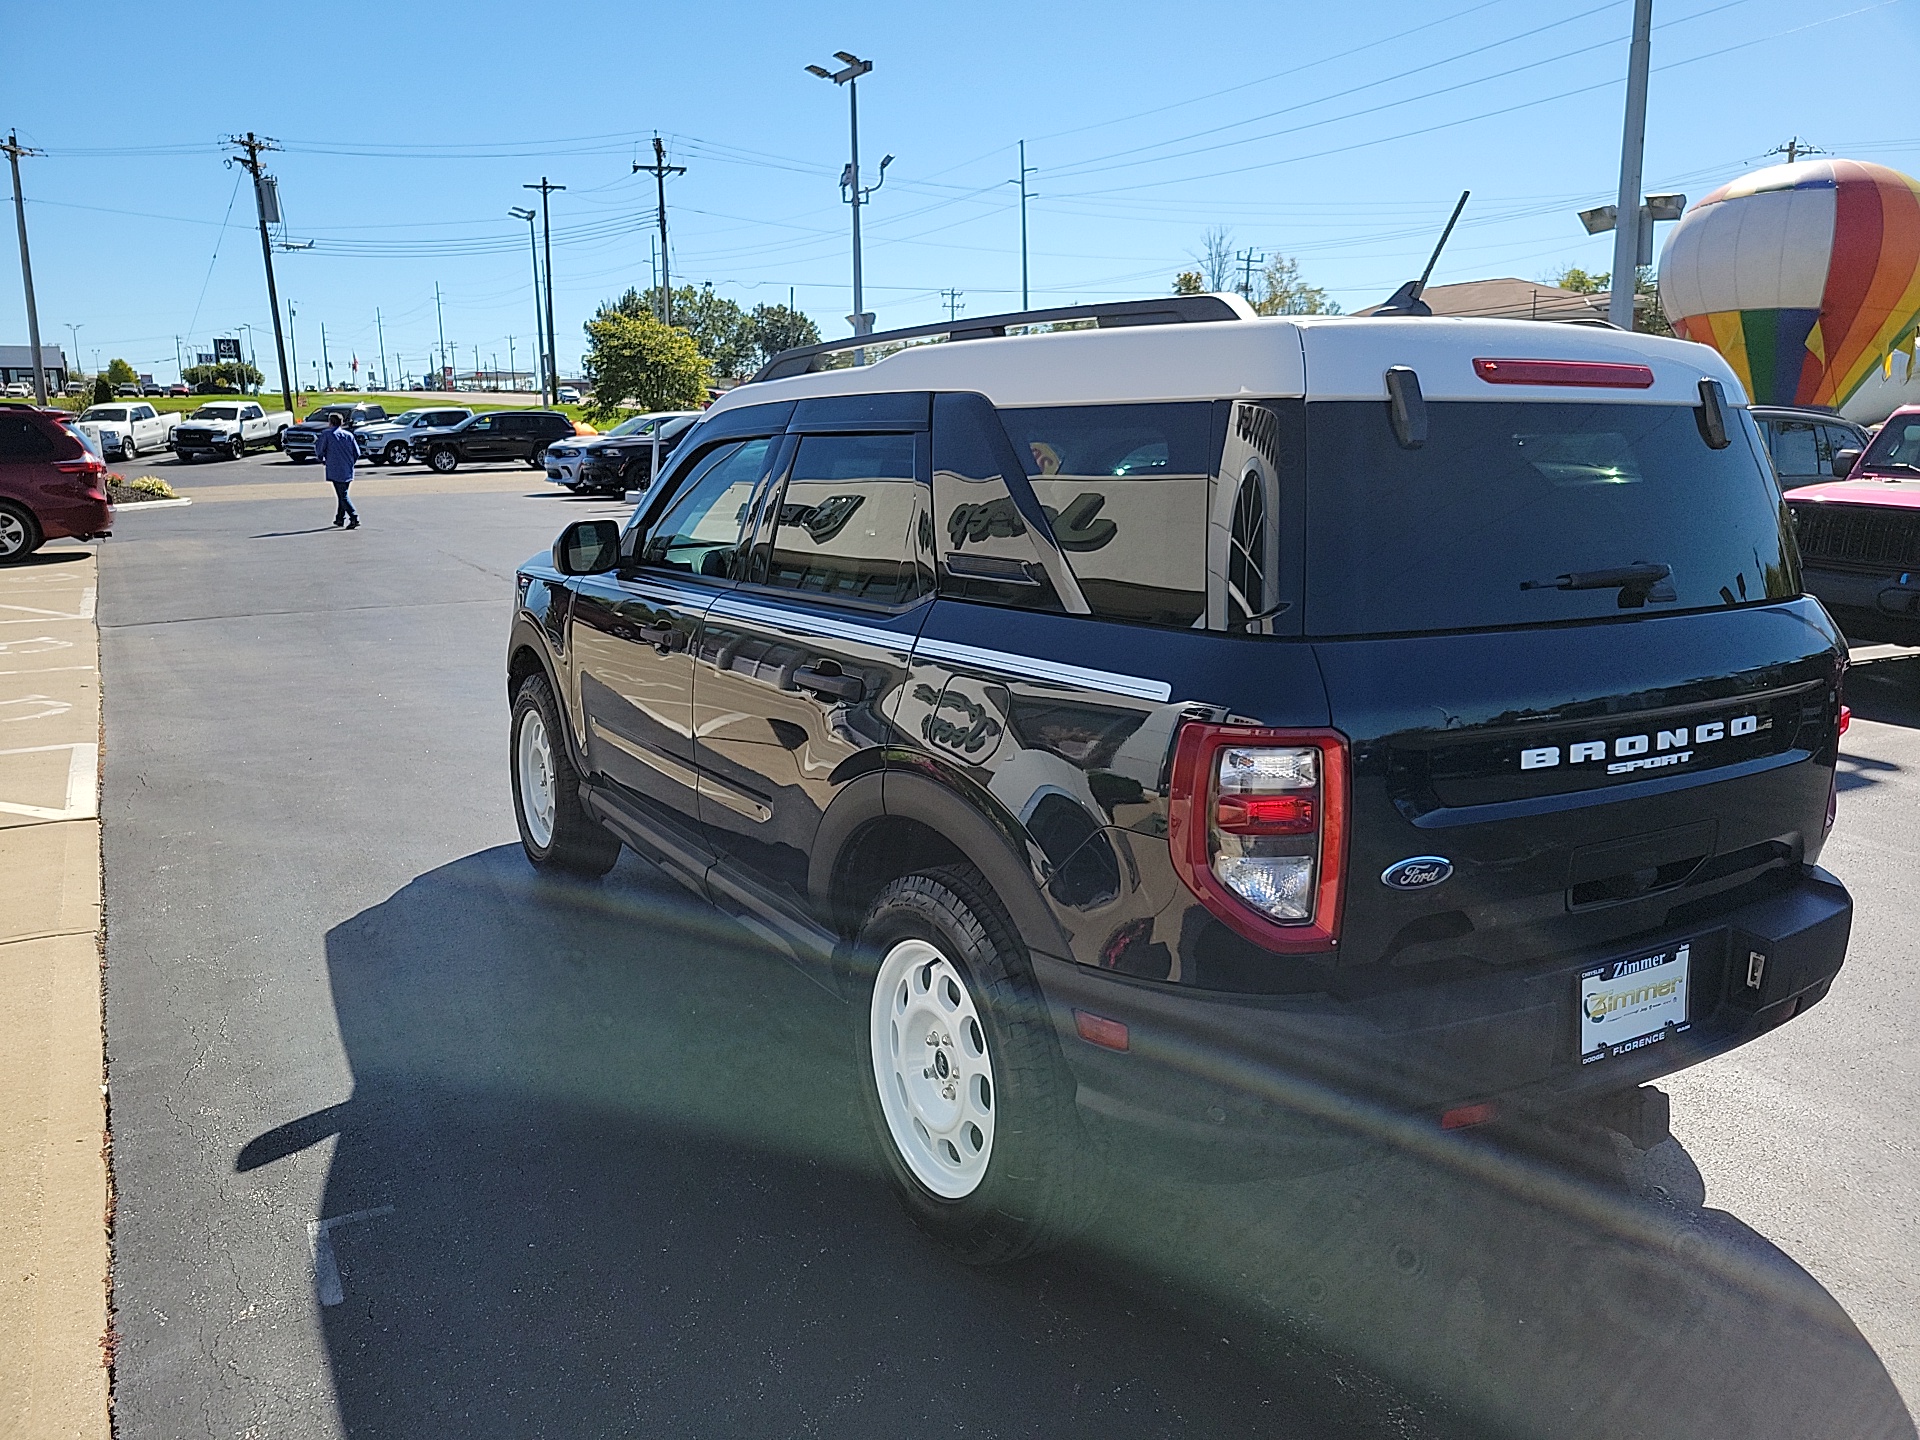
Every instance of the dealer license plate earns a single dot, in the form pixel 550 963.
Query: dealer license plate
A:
pixel 1626 1005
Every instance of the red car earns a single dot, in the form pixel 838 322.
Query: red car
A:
pixel 1860 536
pixel 52 482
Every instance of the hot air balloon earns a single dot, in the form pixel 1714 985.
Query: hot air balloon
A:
pixel 1806 277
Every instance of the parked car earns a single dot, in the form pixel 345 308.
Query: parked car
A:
pixel 127 431
pixel 179 390
pixel 18 390
pixel 298 439
pixel 1804 442
pixel 230 428
pixel 1859 535
pixel 567 395
pixel 52 482
pixel 391 440
pixel 620 460
pixel 1147 726
pixel 126 392
pixel 149 388
pixel 496 435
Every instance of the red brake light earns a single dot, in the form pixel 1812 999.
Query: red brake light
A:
pixel 1846 718
pixel 1603 374
pixel 85 465
pixel 1257 828
pixel 1463 1116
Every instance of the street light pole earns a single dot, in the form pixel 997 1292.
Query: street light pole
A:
pixel 1633 140
pixel 1025 195
pixel 851 190
pixel 73 363
pixel 539 325
pixel 440 320
pixel 293 344
pixel 385 379
pixel 546 239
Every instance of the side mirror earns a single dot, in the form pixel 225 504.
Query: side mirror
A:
pixel 1843 463
pixel 587 547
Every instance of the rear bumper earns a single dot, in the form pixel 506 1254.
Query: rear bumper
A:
pixel 1314 1072
pixel 73 519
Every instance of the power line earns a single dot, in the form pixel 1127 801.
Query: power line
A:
pixel 266 196
pixel 951 299
pixel 660 170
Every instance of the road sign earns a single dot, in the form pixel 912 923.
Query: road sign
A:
pixel 226 349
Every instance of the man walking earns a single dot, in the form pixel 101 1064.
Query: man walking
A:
pixel 336 446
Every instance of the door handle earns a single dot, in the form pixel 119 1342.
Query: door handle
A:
pixel 830 684
pixel 663 636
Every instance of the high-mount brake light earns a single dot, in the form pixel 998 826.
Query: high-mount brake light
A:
pixel 1600 374
pixel 1257 825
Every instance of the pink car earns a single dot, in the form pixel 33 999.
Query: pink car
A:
pixel 1860 536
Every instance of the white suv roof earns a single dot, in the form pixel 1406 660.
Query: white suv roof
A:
pixel 1319 357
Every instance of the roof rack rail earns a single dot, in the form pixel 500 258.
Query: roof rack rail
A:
pixel 1165 310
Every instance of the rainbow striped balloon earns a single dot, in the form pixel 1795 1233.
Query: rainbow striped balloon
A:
pixel 1805 277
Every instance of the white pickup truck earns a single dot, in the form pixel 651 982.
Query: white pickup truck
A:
pixel 126 430
pixel 230 428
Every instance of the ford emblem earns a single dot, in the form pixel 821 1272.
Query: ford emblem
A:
pixel 1419 873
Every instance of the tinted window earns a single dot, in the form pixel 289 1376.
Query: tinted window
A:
pixel 989 552
pixel 1125 487
pixel 849 520
pixel 22 438
pixel 700 533
pixel 1474 528
pixel 1797 447
pixel 1897 446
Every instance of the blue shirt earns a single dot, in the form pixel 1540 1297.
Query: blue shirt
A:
pixel 339 449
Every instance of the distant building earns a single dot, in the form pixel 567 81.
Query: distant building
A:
pixel 16 363
pixel 1511 299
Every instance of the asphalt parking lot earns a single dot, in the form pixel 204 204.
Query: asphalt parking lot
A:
pixel 409 1141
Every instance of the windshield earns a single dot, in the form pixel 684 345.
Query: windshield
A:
pixel 1896 447
pixel 105 412
pixel 636 425
pixel 410 417
pixel 1518 513
pixel 216 412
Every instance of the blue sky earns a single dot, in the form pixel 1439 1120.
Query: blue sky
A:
pixel 1338 134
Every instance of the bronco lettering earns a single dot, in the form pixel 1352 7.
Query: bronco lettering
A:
pixel 1670 747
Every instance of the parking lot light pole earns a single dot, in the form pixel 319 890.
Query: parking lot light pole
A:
pixel 1633 142
pixel 546 189
pixel 539 325
pixel 850 187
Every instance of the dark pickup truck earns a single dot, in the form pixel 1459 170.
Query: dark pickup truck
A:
pixel 298 439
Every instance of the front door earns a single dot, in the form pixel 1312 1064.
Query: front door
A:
pixel 485 439
pixel 799 667
pixel 633 631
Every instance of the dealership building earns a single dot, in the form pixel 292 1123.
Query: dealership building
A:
pixel 16 363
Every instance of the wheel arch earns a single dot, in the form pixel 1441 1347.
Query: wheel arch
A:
pixel 528 655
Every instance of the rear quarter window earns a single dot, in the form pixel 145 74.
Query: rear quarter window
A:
pixel 1474 529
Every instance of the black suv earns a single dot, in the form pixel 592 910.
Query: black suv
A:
pixel 1407 738
pixel 298 440
pixel 495 435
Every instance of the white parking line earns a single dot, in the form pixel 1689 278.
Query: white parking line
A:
pixel 326 1270
pixel 83 784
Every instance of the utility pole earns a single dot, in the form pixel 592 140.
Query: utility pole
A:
pixel 851 191
pixel 266 198
pixel 386 380
pixel 15 150
pixel 539 328
pixel 294 343
pixel 1633 140
pixel 1025 195
pixel 1247 261
pixel 659 169
pixel 440 320
pixel 546 238
pixel 951 298
pixel 512 370
pixel 1795 148
pixel 326 365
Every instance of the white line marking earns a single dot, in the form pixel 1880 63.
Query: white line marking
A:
pixel 45 669
pixel 35 646
pixel 326 1270
pixel 83 784
pixel 34 707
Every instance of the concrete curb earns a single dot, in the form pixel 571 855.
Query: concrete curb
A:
pixel 138 505
pixel 55 1331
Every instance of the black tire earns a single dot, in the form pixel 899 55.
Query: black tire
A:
pixel 443 461
pixel 280 438
pixel 395 454
pixel 238 449
pixel 129 448
pixel 578 844
pixel 1041 1181
pixel 538 460
pixel 20 533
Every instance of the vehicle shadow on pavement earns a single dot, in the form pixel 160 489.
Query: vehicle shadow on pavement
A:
pixel 1886 690
pixel 630 1194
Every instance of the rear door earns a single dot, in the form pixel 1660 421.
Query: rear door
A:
pixel 800 666
pixel 632 632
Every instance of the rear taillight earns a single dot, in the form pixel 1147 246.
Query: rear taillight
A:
pixel 1257 826
pixel 85 465
pixel 1586 373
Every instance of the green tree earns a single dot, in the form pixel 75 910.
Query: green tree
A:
pixel 773 328
pixel 634 358
pixel 1279 290
pixel 119 372
pixel 233 375
pixel 102 390
pixel 1648 317
pixel 719 327
pixel 1189 282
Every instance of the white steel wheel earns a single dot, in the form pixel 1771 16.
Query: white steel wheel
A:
pixel 932 1073
pixel 533 755
pixel 16 534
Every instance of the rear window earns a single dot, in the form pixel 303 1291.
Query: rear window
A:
pixel 1126 489
pixel 1508 507
pixel 1897 446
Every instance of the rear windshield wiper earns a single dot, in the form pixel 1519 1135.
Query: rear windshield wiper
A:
pixel 1637 583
